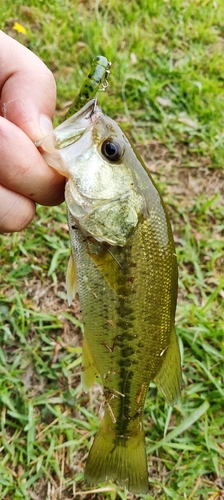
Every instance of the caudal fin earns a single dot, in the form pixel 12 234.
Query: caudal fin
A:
pixel 118 458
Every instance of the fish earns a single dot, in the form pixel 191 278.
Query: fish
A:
pixel 124 267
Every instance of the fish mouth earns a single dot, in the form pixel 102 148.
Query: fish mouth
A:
pixel 86 114
pixel 75 127
pixel 70 139
pixel 72 129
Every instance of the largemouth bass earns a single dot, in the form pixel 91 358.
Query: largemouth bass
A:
pixel 124 267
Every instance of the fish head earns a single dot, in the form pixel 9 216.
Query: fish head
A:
pixel 105 181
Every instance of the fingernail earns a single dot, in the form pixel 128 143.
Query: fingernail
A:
pixel 45 124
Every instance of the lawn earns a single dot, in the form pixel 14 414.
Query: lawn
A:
pixel 166 91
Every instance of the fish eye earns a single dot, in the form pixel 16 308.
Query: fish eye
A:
pixel 112 150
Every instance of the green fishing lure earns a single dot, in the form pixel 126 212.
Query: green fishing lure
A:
pixel 95 80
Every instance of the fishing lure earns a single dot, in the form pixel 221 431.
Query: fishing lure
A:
pixel 95 80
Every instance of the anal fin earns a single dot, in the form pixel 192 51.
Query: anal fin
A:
pixel 169 378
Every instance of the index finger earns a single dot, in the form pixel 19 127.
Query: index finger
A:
pixel 27 87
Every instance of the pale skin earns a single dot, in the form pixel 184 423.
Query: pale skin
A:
pixel 28 96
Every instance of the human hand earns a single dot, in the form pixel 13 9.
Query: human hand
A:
pixel 28 95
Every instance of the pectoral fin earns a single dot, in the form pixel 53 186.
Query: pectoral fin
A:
pixel 89 372
pixel 71 280
pixel 169 379
pixel 108 266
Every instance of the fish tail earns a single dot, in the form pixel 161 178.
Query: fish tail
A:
pixel 122 459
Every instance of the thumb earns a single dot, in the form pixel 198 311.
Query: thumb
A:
pixel 28 90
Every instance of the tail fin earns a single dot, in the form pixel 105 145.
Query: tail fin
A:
pixel 119 458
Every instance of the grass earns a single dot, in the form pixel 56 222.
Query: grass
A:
pixel 166 90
